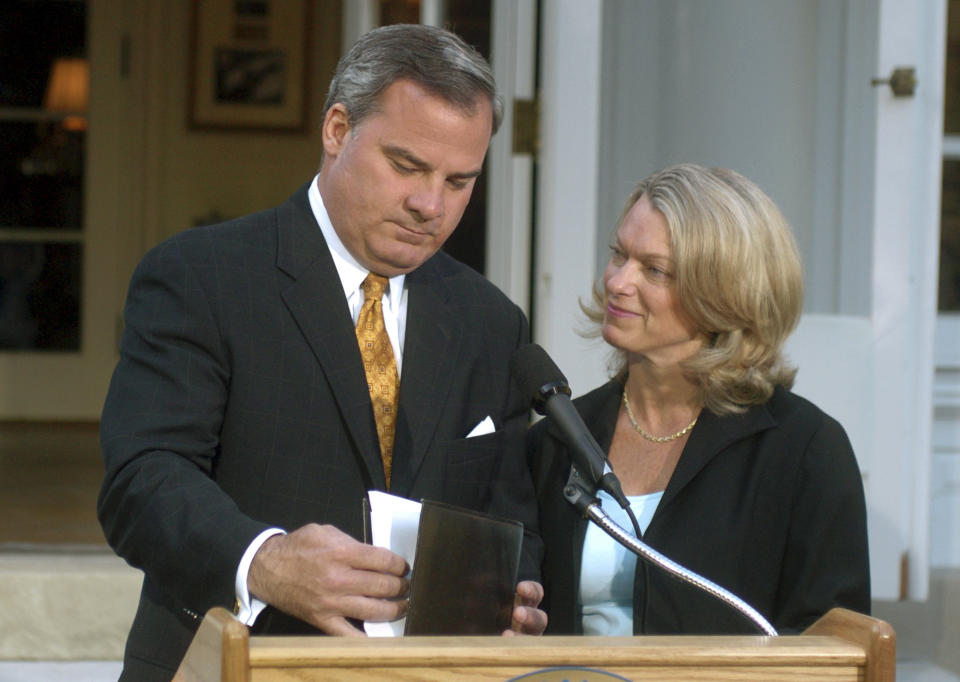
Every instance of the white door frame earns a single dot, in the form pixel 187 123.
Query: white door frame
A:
pixel 510 175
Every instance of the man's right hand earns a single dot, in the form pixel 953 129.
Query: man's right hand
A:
pixel 323 576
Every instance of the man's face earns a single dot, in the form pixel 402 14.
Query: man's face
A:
pixel 396 184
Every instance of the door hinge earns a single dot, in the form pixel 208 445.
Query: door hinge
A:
pixel 526 126
pixel 902 81
pixel 904 576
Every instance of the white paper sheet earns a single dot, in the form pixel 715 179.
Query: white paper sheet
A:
pixel 393 524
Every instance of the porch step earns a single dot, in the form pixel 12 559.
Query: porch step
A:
pixel 928 631
pixel 65 605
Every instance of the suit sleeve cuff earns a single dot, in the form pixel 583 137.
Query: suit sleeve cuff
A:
pixel 246 609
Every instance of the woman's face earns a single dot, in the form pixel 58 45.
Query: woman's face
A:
pixel 643 315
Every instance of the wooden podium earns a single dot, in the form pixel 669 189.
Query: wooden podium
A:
pixel 842 645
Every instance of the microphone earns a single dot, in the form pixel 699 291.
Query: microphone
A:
pixel 540 378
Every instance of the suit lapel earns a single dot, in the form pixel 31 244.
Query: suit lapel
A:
pixel 315 300
pixel 432 341
pixel 711 436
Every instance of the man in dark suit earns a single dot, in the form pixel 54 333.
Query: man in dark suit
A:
pixel 238 433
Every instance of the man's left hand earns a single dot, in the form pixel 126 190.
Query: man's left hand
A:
pixel 527 618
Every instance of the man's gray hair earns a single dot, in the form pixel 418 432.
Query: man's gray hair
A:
pixel 436 59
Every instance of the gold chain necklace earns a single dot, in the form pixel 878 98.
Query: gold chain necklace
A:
pixel 650 437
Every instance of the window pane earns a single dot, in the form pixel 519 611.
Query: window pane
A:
pixel 949 287
pixel 41 175
pixel 949 284
pixel 44 93
pixel 33 34
pixel 951 92
pixel 39 296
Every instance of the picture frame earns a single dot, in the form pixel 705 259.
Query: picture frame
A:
pixel 249 65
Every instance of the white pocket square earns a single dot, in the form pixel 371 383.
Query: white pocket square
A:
pixel 483 428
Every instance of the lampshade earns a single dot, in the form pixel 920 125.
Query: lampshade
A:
pixel 68 90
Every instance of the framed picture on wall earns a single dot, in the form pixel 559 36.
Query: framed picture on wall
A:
pixel 249 65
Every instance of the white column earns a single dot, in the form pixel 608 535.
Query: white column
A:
pixel 432 12
pixel 358 17
pixel 567 187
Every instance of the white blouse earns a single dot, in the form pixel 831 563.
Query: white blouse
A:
pixel 607 569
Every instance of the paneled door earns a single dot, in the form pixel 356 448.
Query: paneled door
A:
pixel 59 206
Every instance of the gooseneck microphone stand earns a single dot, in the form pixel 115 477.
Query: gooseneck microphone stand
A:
pixel 589 506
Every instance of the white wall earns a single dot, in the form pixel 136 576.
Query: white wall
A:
pixel 686 80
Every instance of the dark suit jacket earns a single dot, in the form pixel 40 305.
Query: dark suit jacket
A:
pixel 768 505
pixel 240 403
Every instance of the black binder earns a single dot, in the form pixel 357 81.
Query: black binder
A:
pixel 464 572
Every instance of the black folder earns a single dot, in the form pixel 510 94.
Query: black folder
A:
pixel 464 572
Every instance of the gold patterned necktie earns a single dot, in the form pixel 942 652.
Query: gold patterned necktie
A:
pixel 379 365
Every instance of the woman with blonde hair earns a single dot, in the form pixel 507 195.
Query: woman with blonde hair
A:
pixel 729 473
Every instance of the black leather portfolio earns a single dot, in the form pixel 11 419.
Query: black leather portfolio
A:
pixel 464 572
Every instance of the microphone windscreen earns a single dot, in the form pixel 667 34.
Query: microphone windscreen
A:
pixel 532 369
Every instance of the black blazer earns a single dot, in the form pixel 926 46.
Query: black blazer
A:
pixel 768 505
pixel 240 403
